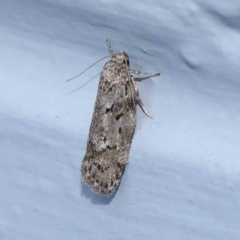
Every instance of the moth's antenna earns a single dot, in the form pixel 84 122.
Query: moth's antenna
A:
pixel 109 46
pixel 83 84
pixel 87 69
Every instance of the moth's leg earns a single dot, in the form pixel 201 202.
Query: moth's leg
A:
pixel 137 98
pixel 132 91
pixel 142 73
pixel 109 46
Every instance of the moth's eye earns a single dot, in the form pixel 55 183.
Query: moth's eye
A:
pixel 126 62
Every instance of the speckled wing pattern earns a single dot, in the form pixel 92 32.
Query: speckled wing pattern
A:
pixel 111 131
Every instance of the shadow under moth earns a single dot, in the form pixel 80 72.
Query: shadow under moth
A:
pixel 113 125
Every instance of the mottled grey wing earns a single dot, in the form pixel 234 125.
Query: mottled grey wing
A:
pixel 111 130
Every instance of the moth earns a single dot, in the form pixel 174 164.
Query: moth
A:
pixel 113 124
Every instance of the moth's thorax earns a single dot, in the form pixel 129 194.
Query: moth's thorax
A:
pixel 121 57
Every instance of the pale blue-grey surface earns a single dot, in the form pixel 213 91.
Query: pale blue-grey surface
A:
pixel 183 177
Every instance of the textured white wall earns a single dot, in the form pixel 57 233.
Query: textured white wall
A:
pixel 182 180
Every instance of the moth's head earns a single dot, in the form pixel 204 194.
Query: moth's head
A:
pixel 121 57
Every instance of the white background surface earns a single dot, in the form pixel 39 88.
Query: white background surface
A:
pixel 182 180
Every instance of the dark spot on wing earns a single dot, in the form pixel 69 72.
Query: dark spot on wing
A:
pixel 114 147
pixel 119 165
pixel 110 109
pixel 126 90
pixel 120 130
pixel 119 116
